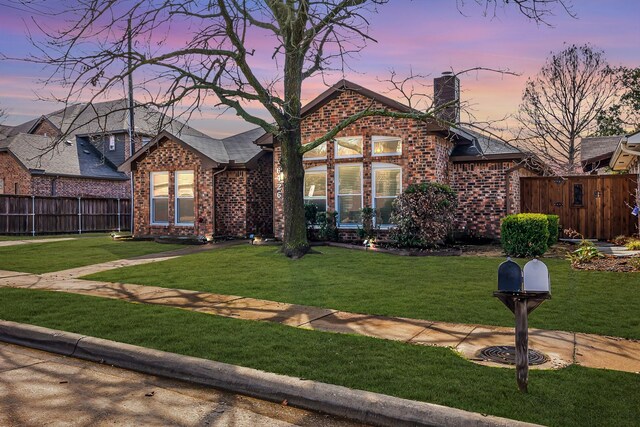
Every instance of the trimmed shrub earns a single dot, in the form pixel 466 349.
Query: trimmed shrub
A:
pixel 423 215
pixel 524 235
pixel 368 230
pixel 327 222
pixel 554 229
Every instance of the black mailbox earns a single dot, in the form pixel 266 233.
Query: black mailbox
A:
pixel 509 277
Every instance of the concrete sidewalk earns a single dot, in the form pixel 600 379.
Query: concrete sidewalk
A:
pixel 29 241
pixel 562 348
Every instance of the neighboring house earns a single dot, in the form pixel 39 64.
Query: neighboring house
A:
pixel 596 153
pixel 186 182
pixel 373 160
pixel 29 166
pixel 626 157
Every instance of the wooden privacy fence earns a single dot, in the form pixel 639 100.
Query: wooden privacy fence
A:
pixel 597 206
pixel 46 215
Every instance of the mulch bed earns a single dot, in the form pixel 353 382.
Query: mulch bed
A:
pixel 611 263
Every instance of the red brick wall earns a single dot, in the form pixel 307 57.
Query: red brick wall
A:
pixel 260 197
pixel 12 173
pixel 172 157
pixel 424 155
pixel 46 129
pixel 514 188
pixel 79 187
pixel 481 191
pixel 231 203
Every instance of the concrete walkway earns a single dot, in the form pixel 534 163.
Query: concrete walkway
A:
pixel 562 348
pixel 29 241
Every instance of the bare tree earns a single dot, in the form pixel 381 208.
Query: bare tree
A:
pixel 561 104
pixel 219 56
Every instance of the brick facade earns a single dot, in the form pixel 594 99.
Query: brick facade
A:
pixel 424 155
pixel 15 177
pixel 226 202
pixel 79 187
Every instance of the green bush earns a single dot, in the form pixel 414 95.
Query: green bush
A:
pixel 633 245
pixel 368 230
pixel 554 227
pixel 423 215
pixel 525 234
pixel 327 223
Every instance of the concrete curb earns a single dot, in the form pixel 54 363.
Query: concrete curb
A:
pixel 362 406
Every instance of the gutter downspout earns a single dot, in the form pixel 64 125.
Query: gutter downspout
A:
pixel 213 192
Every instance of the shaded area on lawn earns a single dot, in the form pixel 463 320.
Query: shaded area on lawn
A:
pixel 56 256
pixel 449 289
pixel 570 397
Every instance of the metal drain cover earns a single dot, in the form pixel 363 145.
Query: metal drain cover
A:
pixel 506 354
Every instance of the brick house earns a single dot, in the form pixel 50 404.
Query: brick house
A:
pixel 92 141
pixel 186 182
pixel 370 162
pixel 29 166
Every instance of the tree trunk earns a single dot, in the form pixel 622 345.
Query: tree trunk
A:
pixel 295 243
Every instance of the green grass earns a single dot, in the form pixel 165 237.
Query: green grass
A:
pixel 574 396
pixel 454 289
pixel 55 256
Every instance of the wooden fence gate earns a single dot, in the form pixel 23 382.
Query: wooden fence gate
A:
pixel 598 206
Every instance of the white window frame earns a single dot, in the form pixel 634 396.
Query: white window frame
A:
pixel 152 197
pixel 355 156
pixel 112 143
pixel 318 157
pixel 176 197
pixel 337 192
pixel 384 138
pixel 317 169
pixel 375 167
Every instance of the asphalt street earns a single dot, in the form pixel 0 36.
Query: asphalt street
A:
pixel 44 389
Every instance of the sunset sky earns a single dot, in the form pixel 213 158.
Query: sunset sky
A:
pixel 426 36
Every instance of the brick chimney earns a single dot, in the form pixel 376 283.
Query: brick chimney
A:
pixel 446 89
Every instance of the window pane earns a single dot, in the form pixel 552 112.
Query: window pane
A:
pixel 185 210
pixel 384 206
pixel 349 209
pixel 349 181
pixel 387 182
pixel 349 147
pixel 184 183
pixel 160 210
pixel 383 145
pixel 160 184
pixel 319 151
pixel 320 203
pixel 315 184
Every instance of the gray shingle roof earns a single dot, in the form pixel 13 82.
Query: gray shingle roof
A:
pixel 597 146
pixel 105 117
pixel 477 144
pixel 241 147
pixel 67 158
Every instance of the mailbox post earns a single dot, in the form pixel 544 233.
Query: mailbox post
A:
pixel 522 293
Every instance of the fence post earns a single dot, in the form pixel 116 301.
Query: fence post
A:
pixel 33 215
pixel 118 214
pixel 79 215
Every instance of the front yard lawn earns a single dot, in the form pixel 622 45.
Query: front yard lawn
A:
pixel 453 289
pixel 55 256
pixel 574 396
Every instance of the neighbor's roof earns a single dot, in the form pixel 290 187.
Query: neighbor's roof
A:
pixel 627 152
pixel 473 145
pixel 66 159
pixel 237 149
pixel 102 117
pixel 598 148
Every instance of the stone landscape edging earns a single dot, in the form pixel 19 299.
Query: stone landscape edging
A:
pixel 362 406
